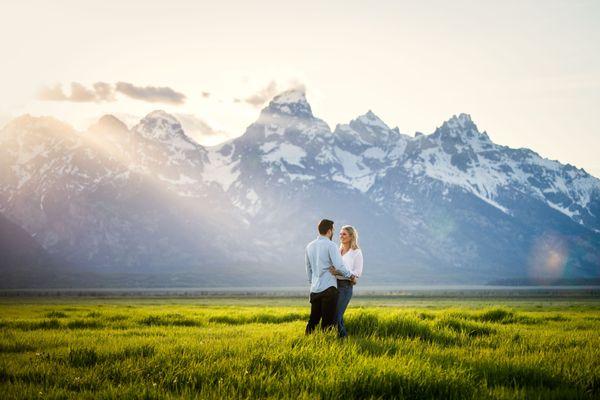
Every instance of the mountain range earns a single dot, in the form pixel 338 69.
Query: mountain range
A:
pixel 148 206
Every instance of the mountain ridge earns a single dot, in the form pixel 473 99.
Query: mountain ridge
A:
pixel 450 204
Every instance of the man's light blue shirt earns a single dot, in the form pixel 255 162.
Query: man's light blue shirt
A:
pixel 322 253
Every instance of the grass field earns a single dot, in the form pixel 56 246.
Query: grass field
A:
pixel 256 348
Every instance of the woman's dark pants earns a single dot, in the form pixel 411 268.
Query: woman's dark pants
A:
pixel 345 294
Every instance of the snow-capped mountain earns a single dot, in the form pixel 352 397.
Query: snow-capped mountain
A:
pixel 451 206
pixel 109 197
pixel 458 154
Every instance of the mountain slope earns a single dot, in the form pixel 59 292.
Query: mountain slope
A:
pixel 24 262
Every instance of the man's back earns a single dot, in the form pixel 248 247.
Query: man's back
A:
pixel 322 253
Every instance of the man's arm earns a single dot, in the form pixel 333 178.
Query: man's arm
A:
pixel 337 262
pixel 308 266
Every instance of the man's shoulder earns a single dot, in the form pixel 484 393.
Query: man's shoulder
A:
pixel 332 244
pixel 313 243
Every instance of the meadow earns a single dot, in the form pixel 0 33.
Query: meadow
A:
pixel 256 348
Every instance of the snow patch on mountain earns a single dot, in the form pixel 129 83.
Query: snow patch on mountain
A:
pixel 283 152
pixel 181 180
pixel 220 169
pixel 376 153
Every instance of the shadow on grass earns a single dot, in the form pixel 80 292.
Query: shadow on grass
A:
pixel 395 326
pixel 506 373
pixel 35 325
pixel 471 329
pixel 263 318
pixel 83 357
pixel 144 350
pixel 169 320
pixel 499 373
pixel 497 316
pixel 56 314
pixel 84 324
pixel 54 323
pixel 404 384
pixel 93 314
pixel 18 347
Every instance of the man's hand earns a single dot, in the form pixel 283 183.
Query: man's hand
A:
pixel 332 270
pixel 353 280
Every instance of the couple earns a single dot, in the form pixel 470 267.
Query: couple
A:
pixel 331 273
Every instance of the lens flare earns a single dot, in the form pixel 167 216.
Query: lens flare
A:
pixel 547 259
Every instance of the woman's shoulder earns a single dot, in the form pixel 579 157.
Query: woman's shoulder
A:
pixel 357 251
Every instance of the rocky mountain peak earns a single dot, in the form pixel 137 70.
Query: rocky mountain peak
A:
pixel 371 129
pixel 462 122
pixel 162 126
pixel 111 122
pixel 290 103
pixel 370 119
pixel 459 128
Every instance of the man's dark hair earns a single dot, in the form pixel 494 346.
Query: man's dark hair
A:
pixel 325 225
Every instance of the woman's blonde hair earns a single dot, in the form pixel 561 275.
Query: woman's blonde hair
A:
pixel 353 232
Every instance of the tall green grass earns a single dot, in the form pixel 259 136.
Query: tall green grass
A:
pixel 172 349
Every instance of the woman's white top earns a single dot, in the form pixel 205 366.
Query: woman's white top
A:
pixel 353 260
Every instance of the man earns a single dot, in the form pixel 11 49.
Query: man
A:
pixel 321 254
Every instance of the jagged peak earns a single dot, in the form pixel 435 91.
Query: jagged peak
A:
pixel 290 96
pixel 159 118
pixel 371 129
pixel 370 119
pixel 290 102
pixel 109 121
pixel 462 126
pixel 462 121
pixel 162 115
pixel 163 126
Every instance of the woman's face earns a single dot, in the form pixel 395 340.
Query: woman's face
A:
pixel 344 236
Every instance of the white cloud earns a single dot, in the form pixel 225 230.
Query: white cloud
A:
pixel 105 92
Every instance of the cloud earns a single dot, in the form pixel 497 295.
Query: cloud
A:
pixel 265 95
pixel 199 130
pixel 151 94
pixel 102 91
pixel 205 95
pixel 80 93
pixel 262 96
pixel 53 93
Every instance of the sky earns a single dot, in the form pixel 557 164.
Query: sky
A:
pixel 528 72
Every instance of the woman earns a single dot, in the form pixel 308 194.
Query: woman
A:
pixel 353 260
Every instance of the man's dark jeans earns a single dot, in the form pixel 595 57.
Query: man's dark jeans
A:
pixel 323 306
